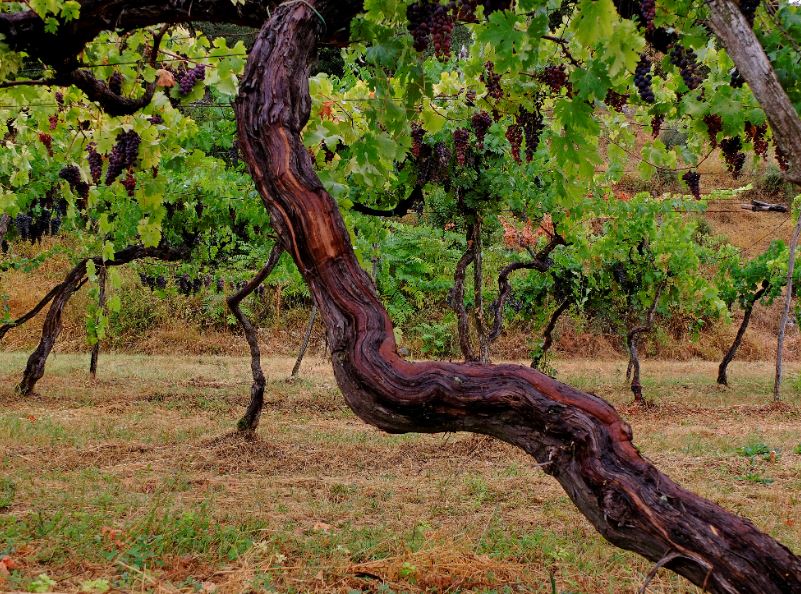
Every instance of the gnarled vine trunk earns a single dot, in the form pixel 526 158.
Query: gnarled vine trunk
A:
pixel 723 378
pixel 305 344
pixel 576 437
pixel 101 302
pixel 250 422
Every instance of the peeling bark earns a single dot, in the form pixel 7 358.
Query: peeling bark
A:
pixel 738 339
pixel 250 422
pixel 576 437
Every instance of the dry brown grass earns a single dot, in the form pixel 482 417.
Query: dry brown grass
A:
pixel 143 462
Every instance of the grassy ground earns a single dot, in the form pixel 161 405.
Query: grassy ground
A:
pixel 134 482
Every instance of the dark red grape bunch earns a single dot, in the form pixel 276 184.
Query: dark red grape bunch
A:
pixel 72 175
pixel 748 8
pixel 442 31
pixel 188 78
pixel 115 83
pixel 714 124
pixel 734 157
pixel 123 155
pixel 129 183
pixel 492 81
pixel 418 133
pixel 514 134
pixel 53 121
pixel 616 100
pixel 95 162
pixel 47 141
pixel 419 16
pixel 643 78
pixel 693 181
pixel 648 12
pixel 466 11
pixel 470 97
pixel 60 99
pixel 687 63
pixel 656 124
pixel 555 77
pixel 155 119
pixel 756 134
pixel 532 124
pixel 737 81
pixel 23 223
pixel 481 123
pixel 461 139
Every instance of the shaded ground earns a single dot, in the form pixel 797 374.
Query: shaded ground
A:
pixel 134 482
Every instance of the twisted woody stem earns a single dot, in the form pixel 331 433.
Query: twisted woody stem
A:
pixel 576 437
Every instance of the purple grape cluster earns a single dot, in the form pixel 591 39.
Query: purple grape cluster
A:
pixel 756 134
pixel 481 123
pixel 714 124
pixel 95 162
pixel 656 124
pixel 514 134
pixel 648 12
pixel 153 282
pixel 736 81
pixel 123 155
pixel 492 81
pixel 693 181
pixel 616 100
pixel 532 124
pixel 188 78
pixel 733 155
pixel 418 133
pixel 643 78
pixel 687 63
pixel 555 77
pixel 72 175
pixel 461 139
pixel 33 227
pixel 156 119
pixel 129 183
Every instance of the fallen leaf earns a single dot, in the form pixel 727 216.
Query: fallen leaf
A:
pixel 165 78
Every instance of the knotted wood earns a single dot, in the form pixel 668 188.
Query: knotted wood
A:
pixel 576 437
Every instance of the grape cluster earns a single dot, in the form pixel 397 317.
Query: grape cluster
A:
pixel 419 15
pixel 734 157
pixel 470 97
pixel 187 285
pixel 687 63
pixel 481 123
pixel 461 139
pixel 748 8
pixel 95 162
pixel 115 83
pixel 153 282
pixel 616 100
pixel 714 124
pixel 648 12
pixel 129 183
pixel 188 78
pixel 756 134
pixel 418 133
pixel 642 80
pixel 156 119
pixel 514 134
pixel 737 80
pixel 532 124
pixel 43 221
pixel 782 159
pixel 555 77
pixel 492 81
pixel 442 31
pixel 60 99
pixel 72 175
pixel 53 121
pixel 47 141
pixel 123 155
pixel 693 181
pixel 656 124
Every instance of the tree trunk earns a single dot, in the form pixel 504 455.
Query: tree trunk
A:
pixel 777 382
pixel 34 369
pixel 753 64
pixel 575 436
pixel 456 299
pixel 60 295
pixel 633 370
pixel 305 344
pixel 250 422
pixel 4 221
pixel 738 339
pixel 102 304
pixel 478 292
pixel 541 357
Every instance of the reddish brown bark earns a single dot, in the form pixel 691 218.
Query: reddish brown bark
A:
pixel 102 303
pixel 723 378
pixel 576 437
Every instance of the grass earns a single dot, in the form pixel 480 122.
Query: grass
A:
pixel 134 482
